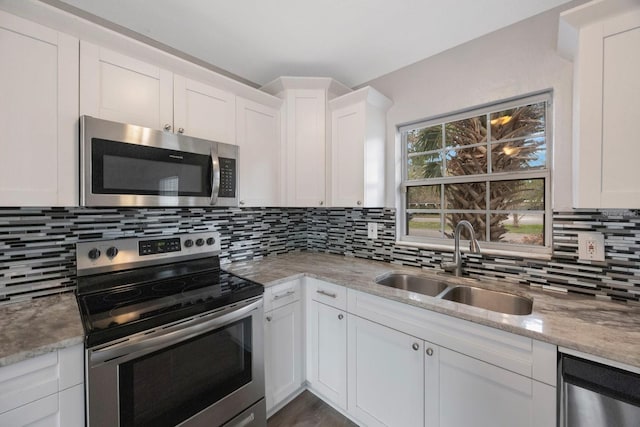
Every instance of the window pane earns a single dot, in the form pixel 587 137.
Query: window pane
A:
pixel 517 155
pixel 525 194
pixel 425 139
pixel 466 196
pixel 478 222
pixel 467 161
pixel 424 166
pixel 424 225
pixel 520 229
pixel 466 132
pixel 518 122
pixel 423 197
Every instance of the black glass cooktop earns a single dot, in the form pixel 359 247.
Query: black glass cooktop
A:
pixel 116 305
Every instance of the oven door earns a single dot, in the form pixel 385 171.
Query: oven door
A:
pixel 205 370
pixel 127 165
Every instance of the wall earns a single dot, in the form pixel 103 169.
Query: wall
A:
pixel 37 246
pixel 514 61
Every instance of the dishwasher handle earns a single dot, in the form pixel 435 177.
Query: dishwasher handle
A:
pixel 607 380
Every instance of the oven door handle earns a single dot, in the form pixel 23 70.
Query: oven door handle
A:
pixel 215 176
pixel 145 343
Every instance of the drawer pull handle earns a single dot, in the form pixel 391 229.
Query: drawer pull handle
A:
pixel 429 351
pixel 415 346
pixel 286 294
pixel 329 294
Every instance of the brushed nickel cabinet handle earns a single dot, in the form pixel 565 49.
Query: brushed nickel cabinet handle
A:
pixel 286 294
pixel 180 130
pixel 268 318
pixel 167 127
pixel 429 351
pixel 329 294
pixel 415 346
pixel 340 316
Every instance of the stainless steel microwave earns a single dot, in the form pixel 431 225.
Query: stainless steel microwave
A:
pixel 127 165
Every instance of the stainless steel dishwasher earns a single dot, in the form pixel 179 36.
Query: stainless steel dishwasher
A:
pixel 597 395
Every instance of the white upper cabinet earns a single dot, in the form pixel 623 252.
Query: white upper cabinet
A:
pixel 603 39
pixel 305 124
pixel 203 111
pixel 38 115
pixel 258 136
pixel 306 147
pixel 357 148
pixel 123 89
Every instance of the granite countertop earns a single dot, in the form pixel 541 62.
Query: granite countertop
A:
pixel 601 328
pixel 39 326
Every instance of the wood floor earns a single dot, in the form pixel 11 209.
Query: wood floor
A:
pixel 307 410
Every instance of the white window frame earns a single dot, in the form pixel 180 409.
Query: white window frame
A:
pixel 495 247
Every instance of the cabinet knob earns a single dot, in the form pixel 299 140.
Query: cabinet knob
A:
pixel 321 203
pixel 429 351
pixel 167 127
pixel 268 318
pixel 415 346
pixel 180 130
pixel 241 202
pixel 340 316
pixel 359 202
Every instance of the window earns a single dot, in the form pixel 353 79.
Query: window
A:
pixel 489 166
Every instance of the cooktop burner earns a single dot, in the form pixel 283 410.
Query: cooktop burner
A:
pixel 116 304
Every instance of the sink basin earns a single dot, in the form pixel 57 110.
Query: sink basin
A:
pixel 501 302
pixel 419 284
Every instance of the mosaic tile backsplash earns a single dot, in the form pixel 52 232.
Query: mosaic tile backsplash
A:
pixel 37 246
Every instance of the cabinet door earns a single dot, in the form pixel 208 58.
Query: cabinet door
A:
pixel 258 135
pixel 385 375
pixel 347 156
pixel 471 392
pixel 327 335
pixel 607 110
pixel 123 89
pixel 306 148
pixel 283 353
pixel 204 111
pixel 38 115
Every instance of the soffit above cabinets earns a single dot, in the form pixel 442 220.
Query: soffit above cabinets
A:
pixel 351 41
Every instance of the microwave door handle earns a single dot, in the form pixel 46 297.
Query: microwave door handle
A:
pixel 215 177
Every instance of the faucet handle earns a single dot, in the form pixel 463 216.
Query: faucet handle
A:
pixel 449 266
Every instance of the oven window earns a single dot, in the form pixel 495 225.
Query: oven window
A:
pixel 175 383
pixel 121 168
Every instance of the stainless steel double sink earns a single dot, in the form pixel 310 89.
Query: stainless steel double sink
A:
pixel 501 302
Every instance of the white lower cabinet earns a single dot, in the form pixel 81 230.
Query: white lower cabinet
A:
pixel 46 390
pixel 283 359
pixel 326 345
pixel 463 391
pixel 386 369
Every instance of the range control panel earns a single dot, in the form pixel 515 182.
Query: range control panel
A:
pixel 121 254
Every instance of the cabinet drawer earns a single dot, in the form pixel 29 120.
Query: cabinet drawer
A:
pixel 28 381
pixel 282 294
pixel 327 293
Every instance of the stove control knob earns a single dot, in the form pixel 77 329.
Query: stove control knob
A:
pixel 211 241
pixel 200 242
pixel 188 243
pixel 112 252
pixel 94 253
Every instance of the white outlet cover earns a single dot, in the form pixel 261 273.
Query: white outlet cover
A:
pixel 591 246
pixel 372 230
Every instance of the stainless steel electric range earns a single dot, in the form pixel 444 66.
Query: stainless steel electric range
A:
pixel 171 339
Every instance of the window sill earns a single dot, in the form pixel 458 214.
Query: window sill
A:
pixel 483 251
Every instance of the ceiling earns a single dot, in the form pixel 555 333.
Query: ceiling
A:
pixel 352 41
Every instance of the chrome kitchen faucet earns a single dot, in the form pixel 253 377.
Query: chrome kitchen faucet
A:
pixel 474 247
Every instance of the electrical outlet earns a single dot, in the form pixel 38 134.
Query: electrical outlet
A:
pixel 591 246
pixel 372 230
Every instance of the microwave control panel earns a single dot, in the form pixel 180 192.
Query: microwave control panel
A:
pixel 227 178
